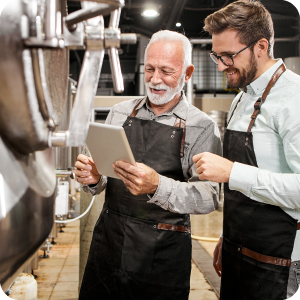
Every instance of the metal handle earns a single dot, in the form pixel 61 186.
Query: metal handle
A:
pixel 114 55
pixel 92 11
pixel 65 173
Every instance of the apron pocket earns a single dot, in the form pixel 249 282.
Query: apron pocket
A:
pixel 138 247
pixel 262 280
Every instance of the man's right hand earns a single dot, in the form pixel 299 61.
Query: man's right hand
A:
pixel 217 259
pixel 86 172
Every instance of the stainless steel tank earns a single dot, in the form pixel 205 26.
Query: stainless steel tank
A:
pixel 220 118
pixel 27 177
pixel 35 36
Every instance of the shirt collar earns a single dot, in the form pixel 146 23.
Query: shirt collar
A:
pixel 260 83
pixel 180 109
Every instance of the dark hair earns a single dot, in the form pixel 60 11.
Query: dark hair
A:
pixel 250 19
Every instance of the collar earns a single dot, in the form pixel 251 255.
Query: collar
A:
pixel 180 109
pixel 259 84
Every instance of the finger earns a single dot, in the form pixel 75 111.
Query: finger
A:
pixel 129 168
pixel 127 178
pixel 81 180
pixel 197 157
pixel 90 180
pixel 199 163
pixel 199 170
pixel 83 158
pixel 217 268
pixel 81 166
pixel 90 160
pixel 124 173
pixel 80 173
pixel 202 177
pixel 129 184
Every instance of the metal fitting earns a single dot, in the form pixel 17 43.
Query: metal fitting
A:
pixel 112 37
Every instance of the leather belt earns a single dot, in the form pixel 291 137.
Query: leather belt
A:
pixel 174 227
pixel 266 259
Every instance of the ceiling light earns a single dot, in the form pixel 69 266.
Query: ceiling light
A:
pixel 150 13
pixel 178 24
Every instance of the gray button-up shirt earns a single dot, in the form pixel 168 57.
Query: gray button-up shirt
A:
pixel 202 135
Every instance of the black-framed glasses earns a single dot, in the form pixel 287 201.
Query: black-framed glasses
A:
pixel 227 59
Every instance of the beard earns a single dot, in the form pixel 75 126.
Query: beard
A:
pixel 247 75
pixel 169 94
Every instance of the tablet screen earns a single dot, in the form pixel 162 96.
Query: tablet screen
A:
pixel 107 144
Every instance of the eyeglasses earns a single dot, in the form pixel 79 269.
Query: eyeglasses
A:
pixel 227 59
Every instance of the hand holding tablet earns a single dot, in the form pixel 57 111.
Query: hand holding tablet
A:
pixel 107 144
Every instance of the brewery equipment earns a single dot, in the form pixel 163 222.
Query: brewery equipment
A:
pixel 35 36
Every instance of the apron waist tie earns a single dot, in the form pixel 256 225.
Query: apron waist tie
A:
pixel 266 259
pixel 174 227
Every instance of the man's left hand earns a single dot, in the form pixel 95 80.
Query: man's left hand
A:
pixel 212 167
pixel 139 179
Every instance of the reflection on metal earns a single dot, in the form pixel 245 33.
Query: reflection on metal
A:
pixel 90 12
pixel 65 173
pixel 26 211
pixel 34 57
pixel 112 39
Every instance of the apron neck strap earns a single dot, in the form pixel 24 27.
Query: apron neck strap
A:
pixel 181 124
pixel 135 111
pixel 235 108
pixel 262 99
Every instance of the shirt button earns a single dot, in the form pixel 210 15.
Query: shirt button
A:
pixel 130 121
pixel 238 117
pixel 172 136
pixel 154 226
pixel 174 132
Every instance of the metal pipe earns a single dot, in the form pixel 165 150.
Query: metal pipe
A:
pixel 128 38
pixel 50 24
pixel 58 139
pixel 115 18
pixel 83 14
pixel 114 56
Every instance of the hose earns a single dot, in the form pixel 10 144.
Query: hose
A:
pixel 204 239
pixel 195 237
pixel 83 214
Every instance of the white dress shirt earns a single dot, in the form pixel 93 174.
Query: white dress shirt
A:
pixel 276 141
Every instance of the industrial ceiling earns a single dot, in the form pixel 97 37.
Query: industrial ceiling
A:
pixel 191 13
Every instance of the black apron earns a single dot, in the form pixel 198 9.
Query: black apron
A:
pixel 255 234
pixel 130 256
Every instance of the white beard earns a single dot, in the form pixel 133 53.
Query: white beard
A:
pixel 168 95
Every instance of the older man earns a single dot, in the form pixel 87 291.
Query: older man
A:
pixel 141 246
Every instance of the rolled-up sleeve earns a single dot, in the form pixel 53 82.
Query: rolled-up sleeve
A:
pixel 193 196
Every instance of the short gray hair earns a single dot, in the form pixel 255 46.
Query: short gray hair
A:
pixel 173 36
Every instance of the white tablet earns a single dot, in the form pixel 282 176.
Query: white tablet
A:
pixel 107 144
